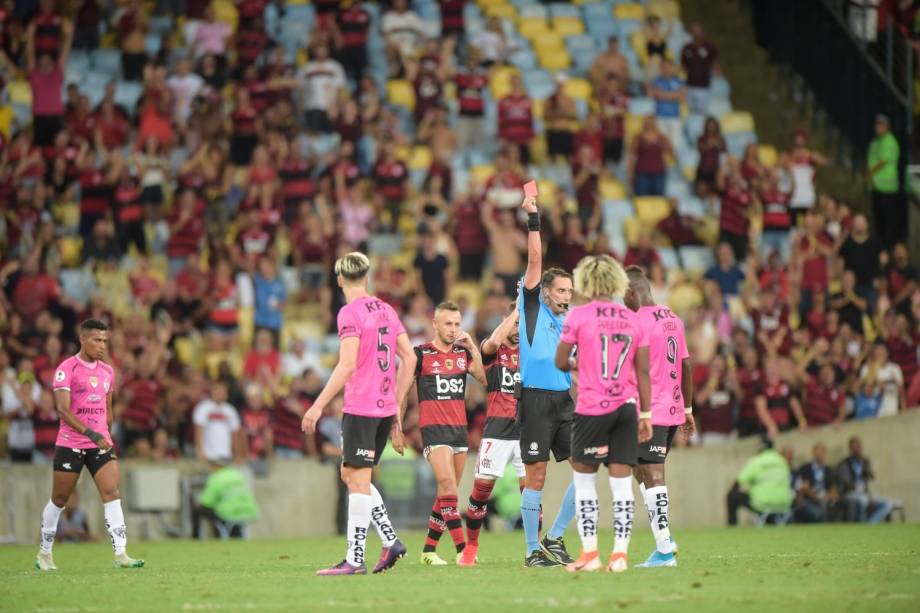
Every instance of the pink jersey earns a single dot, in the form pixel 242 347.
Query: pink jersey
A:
pixel 667 348
pixel 89 384
pixel 607 336
pixel 371 391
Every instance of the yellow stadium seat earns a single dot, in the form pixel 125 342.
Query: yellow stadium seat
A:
pixel 401 93
pixel 611 189
pixel 246 319
pixel 689 172
pixel 547 188
pixel 532 27
pixel 20 93
pixel 633 125
pixel 637 41
pixel 652 209
pixel 631 11
pixel 632 230
pixel 67 214
pixel 500 82
pixel 768 155
pixel 470 290
pixel 737 121
pixel 505 11
pixel 684 298
pixel 667 10
pixel 549 41
pixel 580 89
pixel 554 59
pixel 402 152
pixel 482 173
pixel 71 249
pixel 419 158
pixel 536 107
pixel 568 26
pixel 186 351
pixel 225 11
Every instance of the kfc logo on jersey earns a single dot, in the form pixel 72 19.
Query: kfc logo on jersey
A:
pixel 449 386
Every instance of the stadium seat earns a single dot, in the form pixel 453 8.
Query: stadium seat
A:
pixel 505 11
pixel 225 11
pixel 632 11
pixel 419 158
pixel 693 127
pixel 401 93
pixel 596 11
pixel 107 61
pixel 641 106
pixel 602 29
pixel 720 88
pixel 580 43
pixel 533 27
pixel 523 60
pixel 482 173
pixel 667 10
pixel 718 107
pixel 568 26
pixel 668 257
pixel 500 83
pixel 737 121
pixel 531 11
pixel 691 206
pixel 611 190
pixel 737 141
pixel 635 228
pixel 580 89
pixel 696 258
pixel 768 155
pixel 71 248
pixel 539 84
pixel 651 209
pixel 564 9
pixel 685 297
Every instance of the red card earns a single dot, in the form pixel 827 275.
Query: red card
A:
pixel 530 189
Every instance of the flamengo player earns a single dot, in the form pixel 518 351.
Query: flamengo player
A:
pixel 370 331
pixel 671 375
pixel 83 388
pixel 501 436
pixel 612 369
pixel 441 369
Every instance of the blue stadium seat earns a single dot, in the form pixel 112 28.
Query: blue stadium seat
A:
pixel 719 106
pixel 641 106
pixel 524 60
pixel 668 257
pixel 580 43
pixel 738 141
pixel 307 12
pixel 581 62
pixel 691 206
pixel 697 258
pixel 719 87
pixel 539 83
pixel 603 29
pixel 596 11
pixel 429 12
pixel 152 43
pixel 532 10
pixel 295 33
pixel 471 11
pixel 563 9
pixel 127 94
pixel 693 127
pixel 107 61
pixel 677 188
pixel 162 24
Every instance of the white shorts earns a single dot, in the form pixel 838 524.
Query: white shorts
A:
pixel 427 450
pixel 494 455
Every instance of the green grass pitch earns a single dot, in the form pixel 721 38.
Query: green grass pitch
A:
pixel 794 568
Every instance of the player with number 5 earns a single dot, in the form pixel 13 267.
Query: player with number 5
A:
pixel 369 330
pixel 613 374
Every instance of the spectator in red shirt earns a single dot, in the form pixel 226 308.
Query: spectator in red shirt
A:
pixel 186 229
pixel 471 81
pixel 750 383
pixel 35 290
pixel 586 173
pixel 902 345
pixel 613 106
pixel 811 252
pixel 711 146
pixel 132 31
pixel 777 219
pixel 700 60
pixel 256 423
pixel 515 118
pixel 263 362
pixel 648 160
pixel 643 253
pixel 824 399
pixel 899 278
pixel 734 215
pixel 469 234
pixel 390 177
pixel 777 403
pixel 771 324
pixel 714 402
pixel 46 76
pixel 141 398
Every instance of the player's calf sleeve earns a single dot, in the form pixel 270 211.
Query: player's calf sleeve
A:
pixel 451 514
pixel 585 487
pixel 566 513
pixel 381 518
pixel 436 527
pixel 115 524
pixel 656 503
pixel 530 514
pixel 359 519
pixel 624 507
pixel 477 507
pixel 50 517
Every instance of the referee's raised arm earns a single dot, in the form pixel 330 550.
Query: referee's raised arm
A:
pixel 534 272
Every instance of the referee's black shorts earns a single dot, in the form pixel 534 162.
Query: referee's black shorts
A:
pixel 545 418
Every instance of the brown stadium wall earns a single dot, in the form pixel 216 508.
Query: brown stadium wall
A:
pixel 297 499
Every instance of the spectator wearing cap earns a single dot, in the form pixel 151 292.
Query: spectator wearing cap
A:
pixel 888 208
pixel 699 59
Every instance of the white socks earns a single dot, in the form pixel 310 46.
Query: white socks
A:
pixel 586 509
pixel 115 524
pixel 359 518
pixel 624 506
pixel 50 517
pixel 381 519
pixel 656 503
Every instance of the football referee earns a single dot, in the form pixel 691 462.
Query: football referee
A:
pixel 545 408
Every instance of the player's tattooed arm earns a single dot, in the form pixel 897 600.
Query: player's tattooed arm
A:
pixel 62 404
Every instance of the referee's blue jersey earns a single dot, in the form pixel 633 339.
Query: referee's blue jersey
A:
pixel 539 329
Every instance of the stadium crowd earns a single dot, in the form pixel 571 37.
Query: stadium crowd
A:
pixel 190 176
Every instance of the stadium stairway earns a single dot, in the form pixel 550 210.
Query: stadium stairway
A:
pixel 763 89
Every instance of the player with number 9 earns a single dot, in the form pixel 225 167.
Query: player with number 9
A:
pixel 612 367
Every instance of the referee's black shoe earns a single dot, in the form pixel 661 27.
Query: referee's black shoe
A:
pixel 555 548
pixel 539 559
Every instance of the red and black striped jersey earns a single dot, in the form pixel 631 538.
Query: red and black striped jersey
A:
pixel 49 32
pixel 502 372
pixel 297 183
pixel 441 379
pixel 471 91
pixel 354 23
pixel 779 401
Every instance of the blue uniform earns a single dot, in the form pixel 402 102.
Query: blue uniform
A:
pixel 539 329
